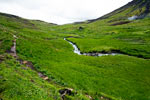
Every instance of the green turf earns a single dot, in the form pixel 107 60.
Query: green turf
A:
pixel 122 77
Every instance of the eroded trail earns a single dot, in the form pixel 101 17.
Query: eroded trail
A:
pixel 27 63
pixel 63 92
pixel 77 51
pixel 13 48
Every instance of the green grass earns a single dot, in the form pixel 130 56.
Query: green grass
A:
pixel 19 82
pixel 134 45
pixel 5 40
pixel 119 77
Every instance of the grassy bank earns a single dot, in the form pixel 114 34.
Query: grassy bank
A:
pixel 121 77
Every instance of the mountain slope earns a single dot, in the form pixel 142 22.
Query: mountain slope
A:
pixel 139 8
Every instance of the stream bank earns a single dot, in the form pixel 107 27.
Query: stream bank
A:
pixel 77 51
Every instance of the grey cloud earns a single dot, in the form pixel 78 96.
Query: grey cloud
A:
pixel 60 11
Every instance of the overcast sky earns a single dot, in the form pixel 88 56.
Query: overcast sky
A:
pixel 60 11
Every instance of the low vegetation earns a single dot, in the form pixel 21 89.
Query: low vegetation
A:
pixel 119 77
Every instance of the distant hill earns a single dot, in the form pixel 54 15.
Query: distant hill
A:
pixel 21 21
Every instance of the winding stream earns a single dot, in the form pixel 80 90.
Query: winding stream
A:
pixel 77 51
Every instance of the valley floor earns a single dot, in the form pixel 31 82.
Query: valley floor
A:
pixel 119 77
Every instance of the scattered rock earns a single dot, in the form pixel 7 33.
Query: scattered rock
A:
pixel 28 64
pixel 104 98
pixel 25 62
pixel 70 89
pixel 89 97
pixel 81 28
pixel 45 78
pixel 1 58
pixel 65 92
pixel 40 74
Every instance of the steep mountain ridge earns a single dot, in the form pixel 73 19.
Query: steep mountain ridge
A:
pixel 138 8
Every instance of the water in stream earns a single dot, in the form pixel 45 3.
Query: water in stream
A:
pixel 77 51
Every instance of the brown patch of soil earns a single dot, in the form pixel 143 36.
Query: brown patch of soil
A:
pixel 121 23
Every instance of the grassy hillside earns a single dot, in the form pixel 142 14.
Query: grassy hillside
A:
pixel 119 77
pixel 17 80
pixel 139 8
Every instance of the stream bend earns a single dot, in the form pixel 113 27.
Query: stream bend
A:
pixel 77 51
